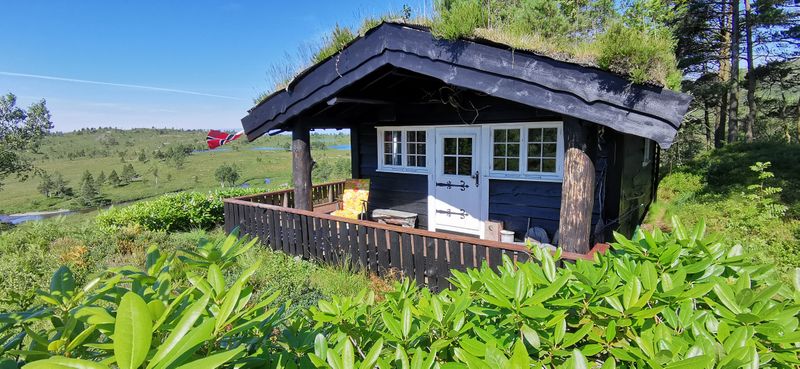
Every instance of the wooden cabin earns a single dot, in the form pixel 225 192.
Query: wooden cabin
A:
pixel 468 135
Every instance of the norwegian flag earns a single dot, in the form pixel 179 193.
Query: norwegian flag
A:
pixel 216 138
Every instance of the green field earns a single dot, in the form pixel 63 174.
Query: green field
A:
pixel 104 150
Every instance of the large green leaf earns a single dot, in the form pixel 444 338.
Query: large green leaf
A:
pixel 213 361
pixel 60 362
pixel 132 332
pixel 188 318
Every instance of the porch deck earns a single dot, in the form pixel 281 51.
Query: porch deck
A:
pixel 423 255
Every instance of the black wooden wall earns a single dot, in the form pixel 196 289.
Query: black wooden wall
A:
pixel 512 202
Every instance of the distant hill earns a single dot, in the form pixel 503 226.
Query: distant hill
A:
pixel 164 160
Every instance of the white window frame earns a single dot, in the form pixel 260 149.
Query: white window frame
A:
pixel 404 167
pixel 522 173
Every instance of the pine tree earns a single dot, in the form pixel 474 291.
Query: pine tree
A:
pixel 128 173
pixel 89 195
pixel 101 178
pixel 113 178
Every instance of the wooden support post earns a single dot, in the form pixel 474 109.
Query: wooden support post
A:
pixel 577 189
pixel 301 166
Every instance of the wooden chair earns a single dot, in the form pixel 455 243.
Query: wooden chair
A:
pixel 354 199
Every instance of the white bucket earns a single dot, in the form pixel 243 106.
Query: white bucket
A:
pixel 506 236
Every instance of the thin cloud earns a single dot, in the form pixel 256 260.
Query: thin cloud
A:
pixel 125 85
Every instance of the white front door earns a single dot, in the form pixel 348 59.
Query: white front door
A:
pixel 456 204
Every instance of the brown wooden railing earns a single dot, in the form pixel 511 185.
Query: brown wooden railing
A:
pixel 423 255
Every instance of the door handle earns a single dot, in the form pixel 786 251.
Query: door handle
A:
pixel 477 177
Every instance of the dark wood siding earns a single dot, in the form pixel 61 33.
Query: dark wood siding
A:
pixel 636 183
pixel 515 202
pixel 399 191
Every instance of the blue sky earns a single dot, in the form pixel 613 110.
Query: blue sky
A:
pixel 185 64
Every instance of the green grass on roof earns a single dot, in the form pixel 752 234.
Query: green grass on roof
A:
pixel 642 53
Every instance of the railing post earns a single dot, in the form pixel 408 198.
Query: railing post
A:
pixel 301 166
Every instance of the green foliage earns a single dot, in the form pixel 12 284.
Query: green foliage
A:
pixel 330 170
pixel 679 300
pixel 644 54
pixel 764 195
pixel 227 173
pixel 334 42
pixel 181 211
pixel 458 18
pixel 21 132
pixel 742 201
pixel 53 185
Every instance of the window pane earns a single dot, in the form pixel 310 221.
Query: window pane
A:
pixel 450 165
pixel 499 135
pixel 513 135
pixel 499 150
pixel 535 135
pixel 421 148
pixel 513 150
pixel 387 148
pixel 421 161
pixel 534 165
pixel 512 164
pixel 390 159
pixel 549 165
pixel 420 136
pixel 534 150
pixel 499 164
pixel 549 150
pixel 450 146
pixel 412 161
pixel 550 135
pixel 412 149
pixel 465 146
pixel 465 166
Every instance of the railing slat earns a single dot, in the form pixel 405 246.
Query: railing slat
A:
pixel 362 247
pixel 407 255
pixel 419 259
pixel 442 265
pixel 394 251
pixel 382 249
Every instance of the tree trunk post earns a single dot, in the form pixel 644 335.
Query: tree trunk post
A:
pixel 733 82
pixel 577 190
pixel 301 166
pixel 751 78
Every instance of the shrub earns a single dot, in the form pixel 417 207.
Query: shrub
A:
pixel 679 300
pixel 181 211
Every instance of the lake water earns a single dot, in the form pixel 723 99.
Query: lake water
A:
pixel 26 217
pixel 268 148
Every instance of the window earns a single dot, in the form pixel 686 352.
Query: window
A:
pixel 403 149
pixel 416 143
pixel 458 156
pixel 506 150
pixel 542 150
pixel 532 151
pixel 392 148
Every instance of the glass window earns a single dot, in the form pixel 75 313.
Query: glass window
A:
pixel 505 146
pixel 542 150
pixel 403 149
pixel 393 148
pixel 458 156
pixel 415 142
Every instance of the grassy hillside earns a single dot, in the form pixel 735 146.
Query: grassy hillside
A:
pixel 104 150
pixel 715 187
